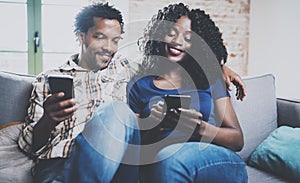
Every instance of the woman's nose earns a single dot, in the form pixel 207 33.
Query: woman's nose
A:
pixel 178 40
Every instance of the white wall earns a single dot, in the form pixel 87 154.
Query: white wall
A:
pixel 274 43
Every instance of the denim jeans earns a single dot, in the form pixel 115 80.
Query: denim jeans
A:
pixel 195 162
pixel 107 150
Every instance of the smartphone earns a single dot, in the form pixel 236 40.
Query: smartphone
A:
pixel 174 102
pixel 61 83
pixel 177 101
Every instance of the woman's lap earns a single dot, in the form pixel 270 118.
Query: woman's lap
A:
pixel 195 162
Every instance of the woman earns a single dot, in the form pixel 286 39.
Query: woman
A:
pixel 183 51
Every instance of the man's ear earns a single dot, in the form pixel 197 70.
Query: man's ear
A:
pixel 81 37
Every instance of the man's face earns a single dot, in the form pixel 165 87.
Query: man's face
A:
pixel 99 44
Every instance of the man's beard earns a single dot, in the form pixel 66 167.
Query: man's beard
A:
pixel 95 64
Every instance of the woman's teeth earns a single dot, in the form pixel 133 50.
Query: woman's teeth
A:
pixel 175 51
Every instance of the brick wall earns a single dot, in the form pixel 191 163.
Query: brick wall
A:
pixel 231 16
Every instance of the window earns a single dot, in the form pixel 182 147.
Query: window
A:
pixel 37 35
pixel 13 45
pixel 58 39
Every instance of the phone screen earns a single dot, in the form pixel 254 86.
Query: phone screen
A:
pixel 174 102
pixel 177 101
pixel 61 83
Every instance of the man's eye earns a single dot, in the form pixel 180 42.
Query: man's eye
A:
pixel 116 41
pixel 99 37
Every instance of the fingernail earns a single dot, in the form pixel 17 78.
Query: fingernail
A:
pixel 160 102
pixel 175 111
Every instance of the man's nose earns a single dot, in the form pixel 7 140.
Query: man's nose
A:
pixel 108 45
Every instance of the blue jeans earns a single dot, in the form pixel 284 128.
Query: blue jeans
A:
pixel 107 150
pixel 195 162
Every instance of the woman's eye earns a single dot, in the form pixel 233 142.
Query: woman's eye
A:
pixel 187 39
pixel 172 33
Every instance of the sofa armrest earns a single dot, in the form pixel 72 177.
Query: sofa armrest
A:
pixel 288 112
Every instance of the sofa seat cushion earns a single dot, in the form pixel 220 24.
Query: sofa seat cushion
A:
pixel 15 90
pixel 15 166
pixel 279 153
pixel 255 176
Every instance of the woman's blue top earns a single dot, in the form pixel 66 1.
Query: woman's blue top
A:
pixel 143 94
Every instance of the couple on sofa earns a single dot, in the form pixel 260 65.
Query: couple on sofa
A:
pixel 95 137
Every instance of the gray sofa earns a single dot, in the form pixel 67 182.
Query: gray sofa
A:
pixel 259 114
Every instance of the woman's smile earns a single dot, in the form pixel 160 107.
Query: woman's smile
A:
pixel 174 50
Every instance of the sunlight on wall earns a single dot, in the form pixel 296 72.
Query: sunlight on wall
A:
pixel 274 43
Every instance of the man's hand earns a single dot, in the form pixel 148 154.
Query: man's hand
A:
pixel 57 110
pixel 230 76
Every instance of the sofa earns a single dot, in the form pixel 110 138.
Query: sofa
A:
pixel 260 114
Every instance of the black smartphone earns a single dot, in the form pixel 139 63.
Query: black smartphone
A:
pixel 174 102
pixel 177 101
pixel 61 83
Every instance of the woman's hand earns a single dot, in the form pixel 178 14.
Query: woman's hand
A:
pixel 186 119
pixel 157 112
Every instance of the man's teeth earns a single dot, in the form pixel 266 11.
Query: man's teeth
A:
pixel 106 56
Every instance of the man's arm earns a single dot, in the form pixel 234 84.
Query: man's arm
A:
pixel 39 121
pixel 55 111
pixel 230 76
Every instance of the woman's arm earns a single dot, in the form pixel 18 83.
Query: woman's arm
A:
pixel 228 132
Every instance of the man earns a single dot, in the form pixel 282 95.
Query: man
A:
pixel 86 139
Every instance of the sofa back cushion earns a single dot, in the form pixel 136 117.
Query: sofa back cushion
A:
pixel 15 90
pixel 257 113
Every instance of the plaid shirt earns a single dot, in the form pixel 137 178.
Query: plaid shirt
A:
pixel 91 90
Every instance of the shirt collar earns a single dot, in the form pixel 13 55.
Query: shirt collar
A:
pixel 118 62
pixel 71 64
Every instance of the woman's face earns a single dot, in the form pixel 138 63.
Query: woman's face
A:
pixel 178 40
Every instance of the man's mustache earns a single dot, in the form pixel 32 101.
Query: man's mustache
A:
pixel 106 53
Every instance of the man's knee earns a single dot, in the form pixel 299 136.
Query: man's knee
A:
pixel 112 120
pixel 117 111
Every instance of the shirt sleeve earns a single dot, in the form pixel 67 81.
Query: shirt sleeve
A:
pixel 219 90
pixel 35 112
pixel 133 96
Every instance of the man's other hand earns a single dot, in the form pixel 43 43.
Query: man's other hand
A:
pixel 229 77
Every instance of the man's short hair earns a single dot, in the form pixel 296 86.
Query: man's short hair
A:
pixel 85 18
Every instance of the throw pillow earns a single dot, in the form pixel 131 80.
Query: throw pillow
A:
pixel 279 153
